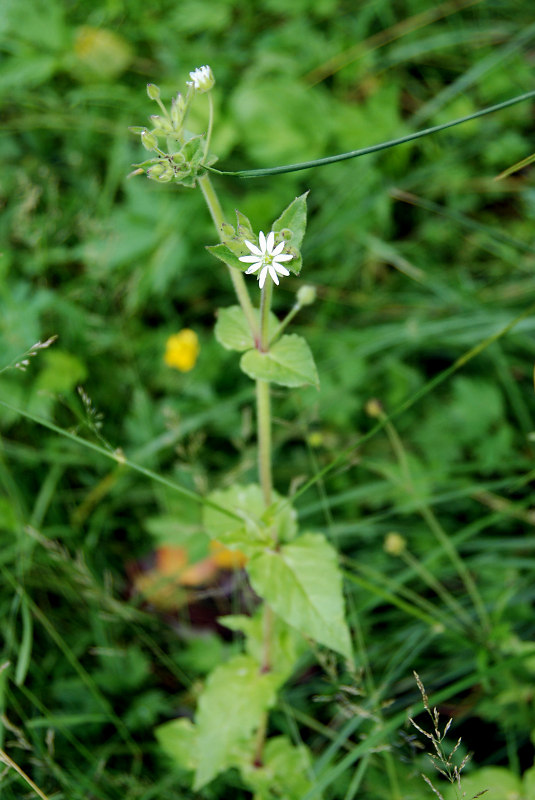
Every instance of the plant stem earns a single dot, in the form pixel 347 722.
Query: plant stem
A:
pixel 265 305
pixel 216 212
pixel 263 411
pixel 285 322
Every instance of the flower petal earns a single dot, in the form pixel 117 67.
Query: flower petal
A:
pixel 270 241
pixel 262 277
pixel 250 259
pixel 262 242
pixel 253 248
pixel 279 248
pixel 280 269
pixel 253 268
pixel 283 257
pixel 273 275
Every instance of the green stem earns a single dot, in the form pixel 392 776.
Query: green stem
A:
pixel 263 410
pixel 285 322
pixel 265 306
pixel 216 212
pixel 210 124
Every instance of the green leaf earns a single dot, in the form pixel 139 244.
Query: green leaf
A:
pixel 178 739
pixel 257 527
pixel 244 227
pixel 498 783
pixel 286 771
pixel 232 328
pixel 291 226
pixel 225 254
pixel 62 372
pixel 294 220
pixel 231 709
pixel 302 583
pixel 289 363
pixel 286 644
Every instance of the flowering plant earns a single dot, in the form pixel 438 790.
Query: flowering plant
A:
pixel 295 573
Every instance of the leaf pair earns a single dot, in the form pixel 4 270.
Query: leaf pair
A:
pixel 289 361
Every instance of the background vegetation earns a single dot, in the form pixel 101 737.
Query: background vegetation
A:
pixel 418 256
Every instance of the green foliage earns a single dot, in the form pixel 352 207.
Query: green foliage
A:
pixel 422 265
pixel 256 526
pixel 302 583
pixel 286 771
pixel 232 330
pixel 288 362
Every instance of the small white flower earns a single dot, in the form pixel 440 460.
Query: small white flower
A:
pixel 266 258
pixel 202 79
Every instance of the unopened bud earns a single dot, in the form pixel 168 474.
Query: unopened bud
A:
pixel 394 544
pixel 177 110
pixel 374 408
pixel 153 91
pixel 162 173
pixel 149 140
pixel 306 295
pixel 161 124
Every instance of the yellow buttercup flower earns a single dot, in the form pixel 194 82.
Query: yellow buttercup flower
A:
pixel 182 350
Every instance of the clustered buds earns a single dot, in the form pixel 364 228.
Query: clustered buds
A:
pixel 184 156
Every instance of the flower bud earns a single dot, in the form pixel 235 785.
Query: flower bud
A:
pixel 161 124
pixel 306 295
pixel 153 91
pixel 178 107
pixel 394 544
pixel 202 79
pixel 162 173
pixel 149 140
pixel 374 408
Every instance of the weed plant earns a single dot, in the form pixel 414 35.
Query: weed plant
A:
pixel 413 462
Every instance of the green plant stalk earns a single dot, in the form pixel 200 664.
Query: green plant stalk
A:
pixel 263 412
pixel 285 322
pixel 265 306
pixel 216 212
pixel 263 408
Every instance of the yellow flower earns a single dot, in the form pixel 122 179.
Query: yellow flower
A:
pixel 182 350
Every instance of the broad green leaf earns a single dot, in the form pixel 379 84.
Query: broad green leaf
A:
pixel 293 221
pixel 232 328
pixel 291 225
pixel 528 783
pixel 257 527
pixel 302 583
pixel 498 783
pixel 289 363
pixel 286 771
pixel 62 372
pixel 286 646
pixel 178 739
pixel 231 709
pixel 225 254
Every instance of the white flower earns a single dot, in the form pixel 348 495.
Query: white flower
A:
pixel 202 79
pixel 266 258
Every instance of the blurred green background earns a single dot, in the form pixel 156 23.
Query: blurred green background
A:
pixel 418 255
